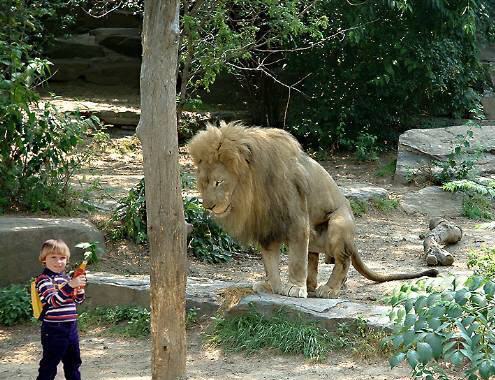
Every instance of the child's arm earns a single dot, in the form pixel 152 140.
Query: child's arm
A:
pixel 50 294
pixel 80 296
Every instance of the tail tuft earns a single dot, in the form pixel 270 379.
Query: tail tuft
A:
pixel 431 273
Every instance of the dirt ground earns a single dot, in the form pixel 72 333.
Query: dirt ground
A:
pixel 388 242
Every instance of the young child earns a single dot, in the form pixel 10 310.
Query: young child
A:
pixel 59 295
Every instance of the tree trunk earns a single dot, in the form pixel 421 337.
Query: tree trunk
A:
pixel 166 227
pixel 442 232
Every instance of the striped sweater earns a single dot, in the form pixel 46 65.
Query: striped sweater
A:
pixel 57 296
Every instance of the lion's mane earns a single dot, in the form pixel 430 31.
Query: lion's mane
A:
pixel 272 183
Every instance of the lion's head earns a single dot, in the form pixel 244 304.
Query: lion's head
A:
pixel 248 179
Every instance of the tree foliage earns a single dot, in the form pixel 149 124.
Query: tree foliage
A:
pixel 35 165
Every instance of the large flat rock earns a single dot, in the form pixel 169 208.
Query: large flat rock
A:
pixel 420 148
pixel 205 295
pixel 433 201
pixel 22 239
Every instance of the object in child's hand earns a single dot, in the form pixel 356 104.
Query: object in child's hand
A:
pixel 80 271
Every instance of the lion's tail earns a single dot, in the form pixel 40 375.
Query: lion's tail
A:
pixel 362 268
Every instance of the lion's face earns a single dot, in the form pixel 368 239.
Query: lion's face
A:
pixel 216 185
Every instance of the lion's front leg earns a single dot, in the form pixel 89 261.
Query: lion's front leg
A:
pixel 271 262
pixel 298 267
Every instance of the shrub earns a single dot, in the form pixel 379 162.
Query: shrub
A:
pixel 35 150
pixel 15 305
pixel 479 197
pixel 207 240
pixel 445 323
pixel 483 262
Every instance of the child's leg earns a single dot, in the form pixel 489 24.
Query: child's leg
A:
pixel 72 357
pixel 54 340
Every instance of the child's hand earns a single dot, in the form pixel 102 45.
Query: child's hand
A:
pixel 80 291
pixel 79 281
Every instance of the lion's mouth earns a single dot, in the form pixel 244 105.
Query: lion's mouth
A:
pixel 222 213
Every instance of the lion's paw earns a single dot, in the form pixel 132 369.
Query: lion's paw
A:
pixel 324 291
pixel 262 287
pixel 293 291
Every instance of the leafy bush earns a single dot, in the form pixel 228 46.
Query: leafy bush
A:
pixel 460 162
pixel 425 53
pixel 35 160
pixel 479 197
pixel 15 305
pixel 366 148
pixel 451 323
pixel 130 216
pixel 207 240
pixel 483 262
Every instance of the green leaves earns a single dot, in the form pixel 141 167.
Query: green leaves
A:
pixel 445 322
pixel 15 305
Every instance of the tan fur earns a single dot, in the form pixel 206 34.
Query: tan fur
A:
pixel 261 187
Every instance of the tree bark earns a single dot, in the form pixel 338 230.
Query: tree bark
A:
pixel 157 131
pixel 442 232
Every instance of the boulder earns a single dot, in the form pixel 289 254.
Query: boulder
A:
pixel 206 296
pixel 22 239
pixel 433 201
pixel 125 41
pixel 81 46
pixel 420 148
pixel 364 192
pixel 488 102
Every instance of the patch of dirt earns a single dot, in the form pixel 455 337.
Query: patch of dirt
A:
pixel 112 358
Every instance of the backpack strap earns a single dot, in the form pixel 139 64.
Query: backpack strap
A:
pixel 45 306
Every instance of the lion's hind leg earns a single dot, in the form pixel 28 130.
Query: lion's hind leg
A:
pixel 312 280
pixel 339 233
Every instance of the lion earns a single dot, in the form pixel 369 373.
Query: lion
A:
pixel 262 188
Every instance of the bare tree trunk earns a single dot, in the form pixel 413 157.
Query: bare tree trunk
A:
pixel 166 227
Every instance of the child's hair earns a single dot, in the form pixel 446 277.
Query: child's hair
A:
pixel 55 246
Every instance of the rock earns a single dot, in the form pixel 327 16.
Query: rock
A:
pixel 22 239
pixel 125 41
pixel 81 46
pixel 106 289
pixel 114 71
pixel 363 192
pixel 119 118
pixel 433 201
pixel 328 313
pixel 487 53
pixel 420 148
pixel 205 295
pixel 69 69
pixel 488 102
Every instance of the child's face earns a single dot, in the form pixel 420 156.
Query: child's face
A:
pixel 55 262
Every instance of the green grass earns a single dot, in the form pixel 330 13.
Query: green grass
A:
pixel 383 205
pixel 387 170
pixel 131 321
pixel 478 207
pixel 359 207
pixel 483 261
pixel 253 332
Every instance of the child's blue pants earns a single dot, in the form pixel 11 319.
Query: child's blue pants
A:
pixel 60 341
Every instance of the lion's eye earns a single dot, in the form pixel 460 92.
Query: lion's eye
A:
pixel 218 183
